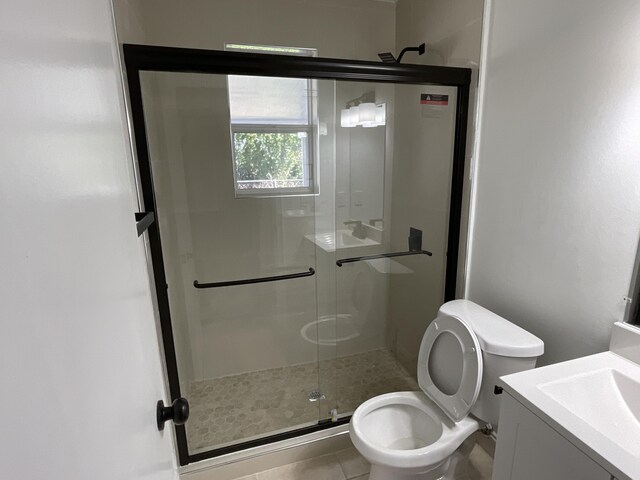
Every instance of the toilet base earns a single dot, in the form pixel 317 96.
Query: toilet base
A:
pixel 456 467
pixel 439 472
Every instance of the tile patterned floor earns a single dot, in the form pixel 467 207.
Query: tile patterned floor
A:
pixel 349 465
pixel 248 405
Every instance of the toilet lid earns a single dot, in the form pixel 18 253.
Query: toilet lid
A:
pixel 450 366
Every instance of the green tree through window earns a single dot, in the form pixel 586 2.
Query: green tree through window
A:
pixel 269 156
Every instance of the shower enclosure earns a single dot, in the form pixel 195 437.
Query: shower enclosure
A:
pixel 307 216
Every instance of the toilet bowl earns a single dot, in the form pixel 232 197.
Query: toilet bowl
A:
pixel 407 436
pixel 423 435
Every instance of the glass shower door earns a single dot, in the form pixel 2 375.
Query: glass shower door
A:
pixel 394 163
pixel 234 161
pixel 307 231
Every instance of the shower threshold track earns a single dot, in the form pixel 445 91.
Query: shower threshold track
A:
pixel 238 407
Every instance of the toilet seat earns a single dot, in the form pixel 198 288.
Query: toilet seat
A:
pixel 455 403
pixel 375 439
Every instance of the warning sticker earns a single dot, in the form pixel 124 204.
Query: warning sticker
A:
pixel 434 99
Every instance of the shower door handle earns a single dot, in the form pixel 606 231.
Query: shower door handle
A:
pixel 342 261
pixel 250 281
pixel 178 411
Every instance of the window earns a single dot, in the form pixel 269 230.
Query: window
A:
pixel 272 131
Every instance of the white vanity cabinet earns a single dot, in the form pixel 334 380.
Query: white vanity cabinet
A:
pixel 574 420
pixel 529 449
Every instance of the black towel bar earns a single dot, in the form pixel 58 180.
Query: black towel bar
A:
pixel 249 281
pixel 381 255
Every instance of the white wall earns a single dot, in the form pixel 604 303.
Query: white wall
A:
pixel 557 209
pixel 79 358
pixel 357 29
pixel 130 21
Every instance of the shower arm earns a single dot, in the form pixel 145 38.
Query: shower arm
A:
pixel 387 57
pixel 420 49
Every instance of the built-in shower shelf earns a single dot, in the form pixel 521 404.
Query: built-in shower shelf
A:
pixel 341 239
pixel 389 266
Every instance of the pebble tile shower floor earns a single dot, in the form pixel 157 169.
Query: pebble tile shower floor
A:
pixel 239 407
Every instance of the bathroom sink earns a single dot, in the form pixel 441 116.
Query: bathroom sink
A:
pixel 592 401
pixel 606 399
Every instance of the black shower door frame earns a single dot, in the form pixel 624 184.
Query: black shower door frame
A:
pixel 139 58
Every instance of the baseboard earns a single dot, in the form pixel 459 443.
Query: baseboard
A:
pixel 250 461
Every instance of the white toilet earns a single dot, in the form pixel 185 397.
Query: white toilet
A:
pixel 420 435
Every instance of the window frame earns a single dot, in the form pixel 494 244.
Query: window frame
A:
pixel 310 152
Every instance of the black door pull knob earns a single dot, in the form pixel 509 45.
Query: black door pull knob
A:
pixel 178 411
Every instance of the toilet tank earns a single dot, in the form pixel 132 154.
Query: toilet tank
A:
pixel 506 348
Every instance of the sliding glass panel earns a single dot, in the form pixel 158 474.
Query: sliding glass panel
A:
pixel 236 182
pixel 394 160
pixel 420 199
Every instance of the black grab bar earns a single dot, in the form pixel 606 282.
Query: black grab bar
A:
pixel 249 281
pixel 382 255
